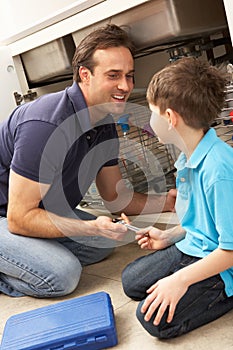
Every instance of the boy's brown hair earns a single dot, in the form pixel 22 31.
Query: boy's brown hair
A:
pixel 191 87
pixel 102 38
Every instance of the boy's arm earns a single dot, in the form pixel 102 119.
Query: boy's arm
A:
pixel 214 263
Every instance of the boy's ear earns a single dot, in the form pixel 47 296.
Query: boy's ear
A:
pixel 172 117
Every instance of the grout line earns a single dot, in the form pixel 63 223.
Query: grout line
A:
pixel 123 305
pixel 108 278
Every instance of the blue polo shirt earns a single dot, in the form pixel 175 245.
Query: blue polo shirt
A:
pixel 51 141
pixel 204 201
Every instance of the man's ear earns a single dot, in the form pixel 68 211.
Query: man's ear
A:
pixel 84 74
pixel 172 117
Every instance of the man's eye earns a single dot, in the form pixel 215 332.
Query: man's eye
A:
pixel 113 76
pixel 130 77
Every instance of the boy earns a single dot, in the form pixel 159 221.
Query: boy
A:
pixel 188 280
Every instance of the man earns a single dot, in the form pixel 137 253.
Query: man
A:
pixel 51 151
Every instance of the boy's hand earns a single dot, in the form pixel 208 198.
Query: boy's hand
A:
pixel 164 294
pixel 152 238
pixel 155 239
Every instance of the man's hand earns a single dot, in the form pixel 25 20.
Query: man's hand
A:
pixel 103 226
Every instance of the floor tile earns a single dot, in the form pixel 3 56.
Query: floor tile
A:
pixel 113 266
pixel 106 276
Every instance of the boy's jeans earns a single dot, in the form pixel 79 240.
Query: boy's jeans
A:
pixel 45 267
pixel 203 302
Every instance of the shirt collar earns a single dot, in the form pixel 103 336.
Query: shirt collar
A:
pixel 78 101
pixel 81 109
pixel 206 143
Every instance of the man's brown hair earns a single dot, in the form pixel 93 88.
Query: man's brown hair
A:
pixel 102 38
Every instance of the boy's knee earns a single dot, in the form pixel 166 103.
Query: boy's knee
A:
pixel 129 283
pixel 148 325
pixel 163 331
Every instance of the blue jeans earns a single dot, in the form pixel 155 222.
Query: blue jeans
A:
pixel 45 267
pixel 203 302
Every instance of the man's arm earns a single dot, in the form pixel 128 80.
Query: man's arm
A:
pixel 26 218
pixel 118 198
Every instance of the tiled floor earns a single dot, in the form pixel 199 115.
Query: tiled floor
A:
pixel 106 276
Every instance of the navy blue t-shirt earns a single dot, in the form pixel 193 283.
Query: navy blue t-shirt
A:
pixel 51 140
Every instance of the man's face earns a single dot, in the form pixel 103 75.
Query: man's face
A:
pixel 112 80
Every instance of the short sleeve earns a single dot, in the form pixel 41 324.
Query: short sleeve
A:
pixel 30 140
pixel 220 196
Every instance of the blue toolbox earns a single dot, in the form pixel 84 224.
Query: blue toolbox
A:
pixel 86 322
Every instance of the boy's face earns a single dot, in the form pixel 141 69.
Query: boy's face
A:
pixel 160 125
pixel 167 129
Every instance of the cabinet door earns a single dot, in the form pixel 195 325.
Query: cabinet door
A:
pixel 10 85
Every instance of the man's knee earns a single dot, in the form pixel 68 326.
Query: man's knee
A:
pixel 64 281
pixel 55 282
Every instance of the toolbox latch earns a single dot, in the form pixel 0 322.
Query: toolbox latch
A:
pixel 101 338
pixel 70 345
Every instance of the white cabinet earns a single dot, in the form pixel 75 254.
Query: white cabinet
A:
pixel 22 18
pixel 9 83
pixel 78 15
pixel 229 14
